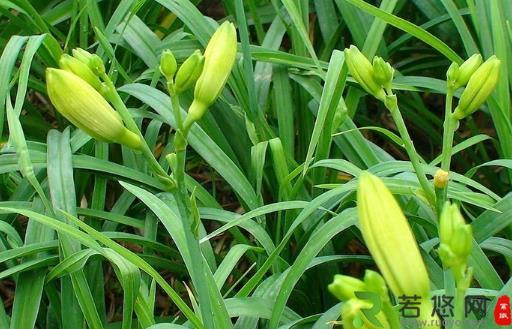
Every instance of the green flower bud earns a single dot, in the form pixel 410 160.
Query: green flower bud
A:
pixel 94 61
pixel 82 55
pixel 83 106
pixel 452 74
pixel 467 69
pixel 389 238
pixel 362 71
pixel 456 237
pixel 353 317
pixel 382 72
pixel 344 286
pixel 375 282
pixel 168 65
pixel 219 58
pixel 80 69
pixel 479 88
pixel 189 72
pixel 96 65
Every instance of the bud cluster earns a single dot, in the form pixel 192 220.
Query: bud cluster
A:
pixel 374 77
pixel 78 93
pixel 479 81
pixel 456 238
pixel 208 73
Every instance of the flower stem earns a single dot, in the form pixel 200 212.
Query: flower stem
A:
pixel 449 127
pixel 392 105
pixel 119 105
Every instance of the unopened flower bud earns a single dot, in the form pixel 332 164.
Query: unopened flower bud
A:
pixel 467 69
pixel 374 282
pixel 455 235
pixel 440 179
pixel 168 65
pixel 362 71
pixel 80 69
pixel 219 58
pixel 343 287
pixel 83 106
pixel 389 238
pixel 82 55
pixel 452 74
pixel 382 72
pixel 96 65
pixel 479 88
pixel 189 72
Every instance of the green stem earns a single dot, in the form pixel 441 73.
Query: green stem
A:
pixel 463 276
pixel 198 265
pixel 392 105
pixel 175 103
pixel 119 105
pixel 449 127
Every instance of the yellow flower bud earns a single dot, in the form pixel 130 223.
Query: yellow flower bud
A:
pixel 80 69
pixel 83 106
pixel 382 72
pixel 362 71
pixel 441 179
pixel 189 72
pixel 456 237
pixel 344 286
pixel 219 58
pixel 168 65
pixel 479 88
pixel 389 238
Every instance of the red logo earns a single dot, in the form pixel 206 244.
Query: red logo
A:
pixel 502 314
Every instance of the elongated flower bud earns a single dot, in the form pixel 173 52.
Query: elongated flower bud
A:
pixel 83 106
pixel 82 55
pixel 168 65
pixel 456 237
pixel 362 71
pixel 382 72
pixel 389 238
pixel 94 61
pixel 189 72
pixel 479 88
pixel 80 69
pixel 219 58
pixel 344 286
pixel 467 69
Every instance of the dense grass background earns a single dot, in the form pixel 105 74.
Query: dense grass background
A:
pixel 273 165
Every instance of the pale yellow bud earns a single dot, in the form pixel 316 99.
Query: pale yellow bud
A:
pixel 219 58
pixel 389 238
pixel 83 106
